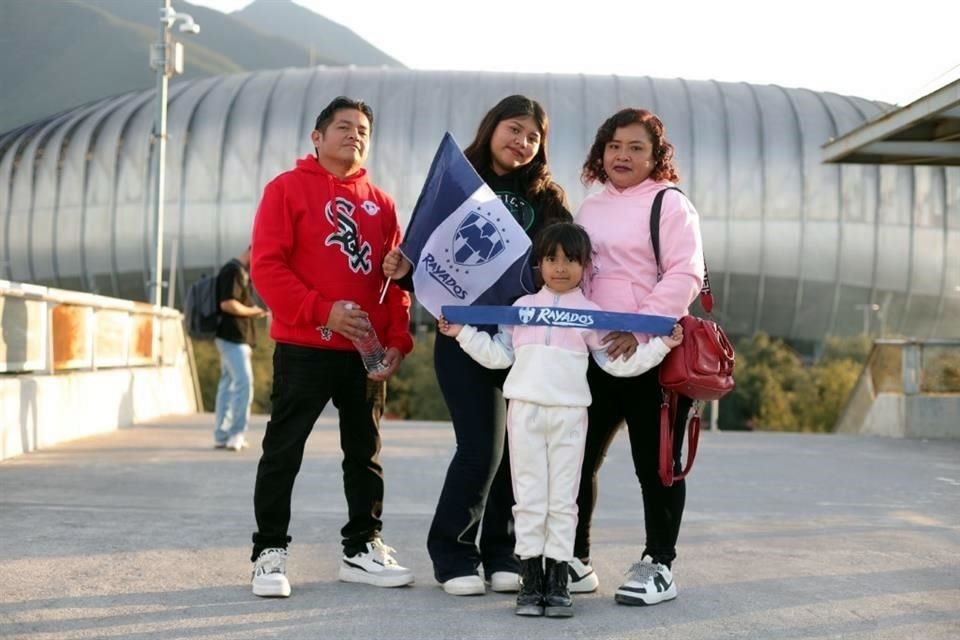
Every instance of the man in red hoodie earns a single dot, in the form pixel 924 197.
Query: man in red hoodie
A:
pixel 319 237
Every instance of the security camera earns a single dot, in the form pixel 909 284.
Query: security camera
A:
pixel 187 24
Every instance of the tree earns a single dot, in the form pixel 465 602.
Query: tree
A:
pixel 413 392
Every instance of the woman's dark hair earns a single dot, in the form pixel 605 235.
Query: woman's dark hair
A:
pixel 571 237
pixel 663 168
pixel 338 103
pixel 536 173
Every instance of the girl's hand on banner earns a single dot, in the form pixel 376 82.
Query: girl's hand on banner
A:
pixel 447 329
pixel 395 266
pixel 675 337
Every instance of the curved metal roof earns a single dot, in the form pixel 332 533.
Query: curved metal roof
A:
pixel 796 247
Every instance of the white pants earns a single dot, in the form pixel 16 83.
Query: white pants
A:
pixel 546 453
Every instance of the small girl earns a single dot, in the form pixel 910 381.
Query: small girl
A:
pixel 547 414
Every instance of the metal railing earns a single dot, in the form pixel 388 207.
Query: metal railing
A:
pixel 44 330
pixel 907 388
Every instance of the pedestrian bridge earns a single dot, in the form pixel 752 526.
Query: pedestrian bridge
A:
pixel 119 520
pixel 75 364
pixel 143 533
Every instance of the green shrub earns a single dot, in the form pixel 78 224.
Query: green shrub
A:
pixel 413 393
pixel 775 390
pixel 207 359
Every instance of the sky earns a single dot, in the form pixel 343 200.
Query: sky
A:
pixel 890 51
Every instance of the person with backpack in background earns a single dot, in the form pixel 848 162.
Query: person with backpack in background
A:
pixel 235 338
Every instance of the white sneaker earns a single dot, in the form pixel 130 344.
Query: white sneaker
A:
pixel 465 586
pixel 505 582
pixel 270 574
pixel 375 565
pixel 648 582
pixel 237 442
pixel 582 577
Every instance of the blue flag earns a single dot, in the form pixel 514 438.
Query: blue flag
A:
pixel 464 245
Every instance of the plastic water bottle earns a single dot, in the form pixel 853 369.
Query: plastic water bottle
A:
pixel 370 349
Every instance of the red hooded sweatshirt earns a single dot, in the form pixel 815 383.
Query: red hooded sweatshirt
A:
pixel 318 239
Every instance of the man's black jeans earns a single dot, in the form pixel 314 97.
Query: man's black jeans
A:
pixel 304 380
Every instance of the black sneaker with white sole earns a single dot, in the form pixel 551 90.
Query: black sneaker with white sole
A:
pixel 647 583
pixel 375 565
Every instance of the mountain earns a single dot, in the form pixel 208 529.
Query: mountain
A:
pixel 326 38
pixel 57 54
pixel 246 46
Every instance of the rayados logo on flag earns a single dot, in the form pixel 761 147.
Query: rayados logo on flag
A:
pixel 477 240
pixel 463 242
pixel 476 243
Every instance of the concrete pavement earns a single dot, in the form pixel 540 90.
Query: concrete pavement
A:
pixel 143 534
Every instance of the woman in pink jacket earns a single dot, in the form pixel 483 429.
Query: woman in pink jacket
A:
pixel 633 161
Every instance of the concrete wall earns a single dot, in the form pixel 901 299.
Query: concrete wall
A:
pixel 74 364
pixel 886 417
pixel 932 416
pixel 38 411
pixel 907 389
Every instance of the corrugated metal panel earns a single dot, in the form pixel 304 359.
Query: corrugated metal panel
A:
pixel 795 246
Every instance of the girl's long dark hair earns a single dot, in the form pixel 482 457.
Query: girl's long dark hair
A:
pixel 663 168
pixel 536 174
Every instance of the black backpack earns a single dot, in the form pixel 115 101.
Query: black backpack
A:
pixel 201 311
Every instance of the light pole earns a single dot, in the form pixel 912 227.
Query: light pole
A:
pixel 167 60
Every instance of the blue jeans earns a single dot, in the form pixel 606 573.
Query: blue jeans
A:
pixel 235 391
pixel 473 523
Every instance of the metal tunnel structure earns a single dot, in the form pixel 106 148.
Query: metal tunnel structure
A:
pixel 796 248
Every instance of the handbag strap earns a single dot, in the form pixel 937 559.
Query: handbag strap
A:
pixel 706 294
pixel 668 415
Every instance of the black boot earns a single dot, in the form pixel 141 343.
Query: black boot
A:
pixel 530 598
pixel 556 595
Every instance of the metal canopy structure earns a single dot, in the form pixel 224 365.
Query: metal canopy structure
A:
pixel 925 132
pixel 797 248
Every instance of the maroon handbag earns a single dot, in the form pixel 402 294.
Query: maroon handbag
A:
pixel 700 368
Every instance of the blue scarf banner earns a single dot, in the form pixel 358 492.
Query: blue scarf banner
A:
pixel 559 317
